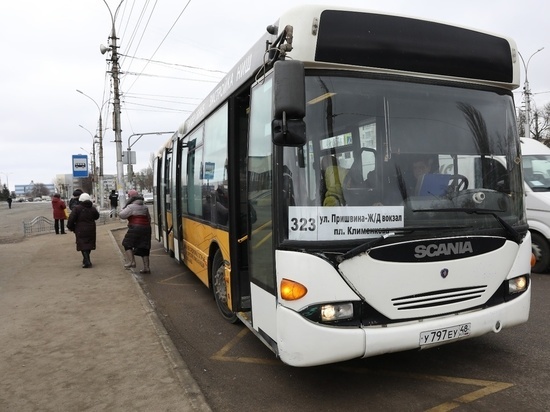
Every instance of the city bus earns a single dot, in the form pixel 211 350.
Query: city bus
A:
pixel 339 190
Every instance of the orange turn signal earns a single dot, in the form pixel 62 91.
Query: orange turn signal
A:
pixel 533 259
pixel 291 290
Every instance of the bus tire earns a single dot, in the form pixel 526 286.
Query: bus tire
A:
pixel 219 288
pixel 541 250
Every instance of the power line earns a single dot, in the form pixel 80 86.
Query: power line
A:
pixel 176 64
pixel 171 77
pixel 162 41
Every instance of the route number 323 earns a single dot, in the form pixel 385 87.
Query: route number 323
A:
pixel 302 224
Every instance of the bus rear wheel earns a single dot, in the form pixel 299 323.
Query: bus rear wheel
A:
pixel 220 290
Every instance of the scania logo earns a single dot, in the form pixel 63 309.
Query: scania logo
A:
pixel 446 249
pixel 444 273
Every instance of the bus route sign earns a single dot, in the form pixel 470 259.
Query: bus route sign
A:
pixel 344 223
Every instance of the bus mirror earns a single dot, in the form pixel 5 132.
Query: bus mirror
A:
pixel 289 100
pixel 289 89
pixel 288 132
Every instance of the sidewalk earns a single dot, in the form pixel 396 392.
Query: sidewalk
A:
pixel 75 339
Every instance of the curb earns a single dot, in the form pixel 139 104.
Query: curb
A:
pixel 187 382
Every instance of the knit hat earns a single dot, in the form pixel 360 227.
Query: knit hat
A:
pixel 83 197
pixel 132 193
pixel 77 192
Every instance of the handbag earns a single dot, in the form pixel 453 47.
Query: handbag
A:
pixel 66 213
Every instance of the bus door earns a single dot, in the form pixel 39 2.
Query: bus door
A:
pixel 175 199
pixel 260 196
pixel 157 214
pixel 167 202
pixel 239 222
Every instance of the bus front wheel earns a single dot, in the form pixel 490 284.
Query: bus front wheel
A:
pixel 219 288
pixel 541 250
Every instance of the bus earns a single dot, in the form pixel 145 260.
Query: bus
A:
pixel 307 191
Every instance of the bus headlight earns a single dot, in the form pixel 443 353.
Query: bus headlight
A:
pixel 336 311
pixel 518 285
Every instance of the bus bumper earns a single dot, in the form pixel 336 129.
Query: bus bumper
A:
pixel 304 343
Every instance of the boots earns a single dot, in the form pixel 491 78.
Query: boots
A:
pixel 146 268
pixel 86 263
pixel 131 261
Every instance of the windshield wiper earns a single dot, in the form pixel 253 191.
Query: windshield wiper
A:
pixel 363 247
pixel 512 234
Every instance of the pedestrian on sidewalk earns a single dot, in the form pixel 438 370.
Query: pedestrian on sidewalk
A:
pixel 74 200
pixel 82 223
pixel 113 198
pixel 9 202
pixel 137 241
pixel 59 216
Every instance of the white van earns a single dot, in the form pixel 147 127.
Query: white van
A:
pixel 536 172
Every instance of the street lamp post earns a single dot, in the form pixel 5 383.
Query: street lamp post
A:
pixel 130 168
pixel 116 103
pixel 94 180
pixel 527 93
pixel 100 136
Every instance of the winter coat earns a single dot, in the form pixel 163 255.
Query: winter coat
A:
pixel 73 202
pixel 59 207
pixel 136 212
pixel 82 223
pixel 138 236
pixel 334 176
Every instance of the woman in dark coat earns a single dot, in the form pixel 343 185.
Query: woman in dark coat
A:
pixel 82 223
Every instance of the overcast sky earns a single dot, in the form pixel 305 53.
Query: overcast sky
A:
pixel 50 48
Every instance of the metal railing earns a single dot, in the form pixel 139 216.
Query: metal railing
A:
pixel 41 224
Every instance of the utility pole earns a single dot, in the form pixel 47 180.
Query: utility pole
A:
pixel 116 105
pixel 116 118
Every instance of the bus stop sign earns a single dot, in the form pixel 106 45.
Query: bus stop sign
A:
pixel 80 165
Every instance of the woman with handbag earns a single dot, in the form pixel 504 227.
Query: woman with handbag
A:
pixel 59 214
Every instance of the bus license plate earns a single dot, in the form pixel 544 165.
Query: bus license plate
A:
pixel 445 334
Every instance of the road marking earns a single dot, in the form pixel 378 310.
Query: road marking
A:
pixel 487 387
pixel 221 354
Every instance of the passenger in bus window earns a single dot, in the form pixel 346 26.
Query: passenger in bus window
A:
pixel 332 177
pixel 419 166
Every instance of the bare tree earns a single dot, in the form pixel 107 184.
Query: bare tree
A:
pixel 539 124
pixel 39 190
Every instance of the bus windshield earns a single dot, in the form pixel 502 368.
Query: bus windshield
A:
pixel 385 156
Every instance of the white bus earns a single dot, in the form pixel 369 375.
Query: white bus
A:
pixel 306 192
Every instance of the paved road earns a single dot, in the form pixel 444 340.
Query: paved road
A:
pixel 505 372
pixel 11 220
